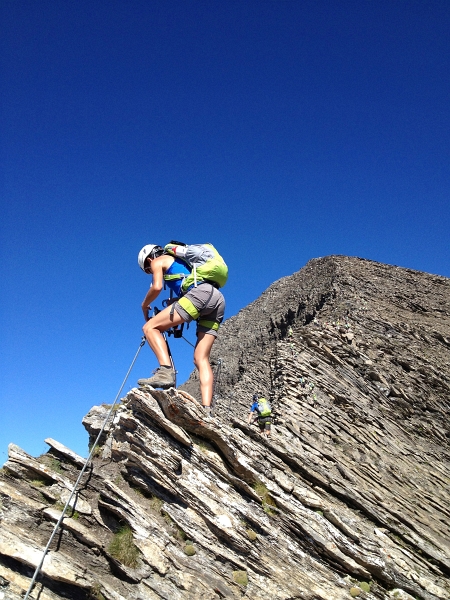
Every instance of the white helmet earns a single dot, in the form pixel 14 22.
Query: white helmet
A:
pixel 150 250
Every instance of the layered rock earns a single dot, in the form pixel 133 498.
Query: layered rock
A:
pixel 349 497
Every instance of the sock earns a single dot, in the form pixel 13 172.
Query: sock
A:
pixel 166 366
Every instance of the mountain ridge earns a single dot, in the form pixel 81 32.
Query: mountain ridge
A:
pixel 348 498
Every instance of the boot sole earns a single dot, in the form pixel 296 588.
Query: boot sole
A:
pixel 153 386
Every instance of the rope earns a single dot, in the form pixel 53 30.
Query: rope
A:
pixel 217 377
pixel 230 396
pixel 188 341
pixel 58 524
pixel 156 311
pixel 171 358
pixel 216 384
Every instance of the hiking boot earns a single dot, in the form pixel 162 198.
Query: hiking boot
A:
pixel 162 378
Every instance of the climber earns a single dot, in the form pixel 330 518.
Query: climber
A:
pixel 263 411
pixel 202 302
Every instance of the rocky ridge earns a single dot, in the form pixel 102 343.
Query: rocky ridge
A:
pixel 348 498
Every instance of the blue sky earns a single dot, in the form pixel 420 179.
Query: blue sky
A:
pixel 279 130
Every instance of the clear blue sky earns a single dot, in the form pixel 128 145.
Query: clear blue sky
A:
pixel 280 130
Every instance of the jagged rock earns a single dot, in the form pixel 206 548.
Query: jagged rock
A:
pixel 76 503
pixel 61 450
pixel 400 595
pixel 352 487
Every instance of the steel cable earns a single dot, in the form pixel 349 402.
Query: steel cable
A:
pixel 58 524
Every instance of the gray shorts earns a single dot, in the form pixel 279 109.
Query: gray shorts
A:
pixel 204 304
pixel 264 423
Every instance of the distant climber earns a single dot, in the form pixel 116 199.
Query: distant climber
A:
pixel 263 415
pixel 195 299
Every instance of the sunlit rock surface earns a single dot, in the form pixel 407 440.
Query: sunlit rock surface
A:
pixel 350 497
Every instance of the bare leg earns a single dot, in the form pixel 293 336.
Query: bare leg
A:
pixel 152 331
pixel 201 361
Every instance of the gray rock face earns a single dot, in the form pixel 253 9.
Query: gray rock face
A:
pixel 349 497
